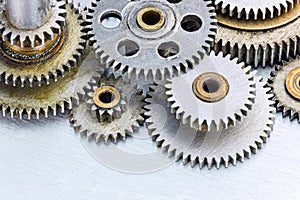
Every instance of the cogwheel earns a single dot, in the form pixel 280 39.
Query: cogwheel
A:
pixel 211 97
pixel 206 149
pixel 81 6
pixel 260 42
pixel 285 84
pixel 113 108
pixel 255 8
pixel 28 102
pixel 37 35
pixel 67 55
pixel 167 34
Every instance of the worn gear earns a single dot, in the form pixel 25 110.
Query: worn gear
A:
pixel 28 102
pixel 43 72
pixel 106 116
pixel 285 84
pixel 255 8
pixel 152 39
pixel 207 149
pixel 211 97
pixel 260 42
pixel 36 36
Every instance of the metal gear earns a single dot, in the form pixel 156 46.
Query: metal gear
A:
pixel 260 42
pixel 38 35
pixel 207 149
pixel 29 102
pixel 211 97
pixel 107 116
pixel 255 8
pixel 152 40
pixel 42 72
pixel 285 84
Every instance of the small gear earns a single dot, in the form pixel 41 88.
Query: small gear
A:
pixel 256 8
pixel 152 40
pixel 211 97
pixel 81 6
pixel 260 42
pixel 206 149
pixel 113 108
pixel 67 54
pixel 285 84
pixel 39 35
pixel 29 102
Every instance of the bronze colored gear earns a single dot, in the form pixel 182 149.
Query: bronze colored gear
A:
pixel 28 102
pixel 260 42
pixel 285 84
pixel 55 67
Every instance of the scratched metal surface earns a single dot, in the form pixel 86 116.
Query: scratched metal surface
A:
pixel 46 160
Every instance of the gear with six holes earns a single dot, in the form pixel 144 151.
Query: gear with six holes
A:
pixel 260 42
pixel 151 40
pixel 285 84
pixel 217 98
pixel 111 110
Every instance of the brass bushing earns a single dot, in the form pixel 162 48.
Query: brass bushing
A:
pixel 151 19
pixel 107 97
pixel 211 87
pixel 292 83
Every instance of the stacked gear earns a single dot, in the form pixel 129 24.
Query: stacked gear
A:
pixel 42 67
pixel 196 117
pixel 259 33
pixel 111 110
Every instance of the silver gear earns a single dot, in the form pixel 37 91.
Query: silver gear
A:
pixel 285 101
pixel 261 42
pixel 161 53
pixel 81 6
pixel 52 26
pixel 265 8
pixel 221 148
pixel 29 102
pixel 43 73
pixel 213 116
pixel 86 122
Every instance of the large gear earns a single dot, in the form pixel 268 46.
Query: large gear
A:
pixel 217 99
pixel 285 84
pixel 154 39
pixel 210 149
pixel 111 110
pixel 29 102
pixel 46 67
pixel 39 35
pixel 260 42
pixel 255 8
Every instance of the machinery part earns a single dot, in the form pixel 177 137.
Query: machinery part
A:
pixel 211 97
pixel 260 42
pixel 168 34
pixel 255 9
pixel 285 84
pixel 61 62
pixel 116 119
pixel 28 102
pixel 206 149
pixel 28 23
pixel 81 6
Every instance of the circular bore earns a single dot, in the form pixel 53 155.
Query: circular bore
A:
pixel 107 97
pixel 211 87
pixel 151 19
pixel 292 83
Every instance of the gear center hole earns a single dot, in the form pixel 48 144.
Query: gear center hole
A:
pixel 151 17
pixel 106 97
pixel 211 85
